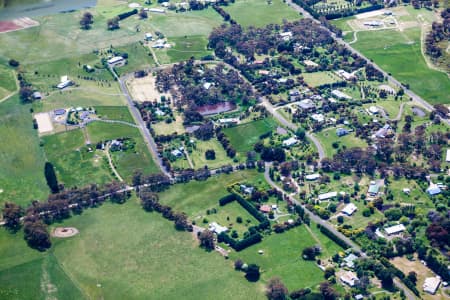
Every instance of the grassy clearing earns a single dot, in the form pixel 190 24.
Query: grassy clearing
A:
pixel 195 197
pixel 163 128
pixel 282 258
pixel 185 47
pixel 144 257
pixel 244 136
pixel 22 172
pixel 259 13
pixel 7 81
pixel 198 155
pixel 114 113
pixel 319 78
pixel 139 58
pixel 327 138
pixel 122 263
pixel 99 131
pixel 75 165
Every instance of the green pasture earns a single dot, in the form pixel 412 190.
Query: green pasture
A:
pixel 139 58
pixel 74 164
pixel 328 137
pixel 198 154
pixel 282 257
pixel 120 113
pixel 244 136
pixel 183 49
pixel 260 13
pixel 22 172
pixel 319 78
pixel 7 81
pixel 100 131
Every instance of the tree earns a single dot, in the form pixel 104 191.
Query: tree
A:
pixel 412 276
pixel 206 238
pixel 12 214
pixel 113 23
pixel 276 290
pixel 238 264
pixel 210 154
pixel 50 176
pixel 143 14
pixel 26 94
pixel 86 20
pixel 181 221
pixel 329 271
pixel 13 63
pixel 309 253
pixel 252 273
pixel 36 234
pixel 300 133
pixel 327 291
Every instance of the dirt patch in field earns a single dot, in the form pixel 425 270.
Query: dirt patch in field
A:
pixel 17 24
pixel 144 89
pixel 44 122
pixel 64 232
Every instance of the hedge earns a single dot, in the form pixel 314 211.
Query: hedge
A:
pixel 227 199
pixel 242 244
pixel 333 237
pixel 251 209
pixel 127 14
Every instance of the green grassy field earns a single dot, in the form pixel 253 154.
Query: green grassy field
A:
pixel 320 78
pixel 185 47
pixel 259 13
pixel 7 81
pixel 327 138
pixel 22 172
pixel 99 131
pixel 75 166
pixel 244 136
pixel 114 113
pixel 198 155
pixel 144 257
pixel 139 58
pixel 282 257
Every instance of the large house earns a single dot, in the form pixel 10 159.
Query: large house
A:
pixel 431 284
pixel 349 278
pixel 373 189
pixel 116 61
pixel 396 229
pixel 349 209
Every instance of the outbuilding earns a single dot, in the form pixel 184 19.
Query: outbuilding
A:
pixel 431 284
pixel 349 209
pixel 396 229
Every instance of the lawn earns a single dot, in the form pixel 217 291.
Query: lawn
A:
pixel 22 171
pixel 244 136
pixel 259 13
pixel 195 197
pixel 400 54
pixel 7 81
pixel 328 137
pixel 114 113
pixel 139 58
pixel 163 128
pixel 144 257
pixel 282 257
pixel 319 78
pixel 75 165
pixel 183 49
pixel 100 131
pixel 198 154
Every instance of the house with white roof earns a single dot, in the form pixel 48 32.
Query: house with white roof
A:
pixel 290 142
pixel 431 284
pixel 312 177
pixel 216 228
pixel 319 118
pixel 396 229
pixel 349 209
pixel 349 278
pixel 340 95
pixel 327 196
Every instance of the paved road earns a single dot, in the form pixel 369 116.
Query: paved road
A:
pixel 293 127
pixel 150 142
pixel 416 98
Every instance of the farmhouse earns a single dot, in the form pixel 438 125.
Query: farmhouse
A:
pixel 116 61
pixel 310 63
pixel 327 196
pixel 176 153
pixel 319 118
pixel 383 132
pixel 395 229
pixel 373 189
pixel 346 75
pixel 306 104
pixel 349 278
pixel 290 142
pixel 312 177
pixel 349 209
pixel 433 189
pixel 286 36
pixel 247 189
pixel 341 132
pixel 340 95
pixel 216 228
pixel 148 37
pixel 431 284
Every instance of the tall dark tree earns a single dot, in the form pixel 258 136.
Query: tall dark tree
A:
pixel 50 176
pixel 12 214
pixel 26 94
pixel 206 238
pixel 276 290
pixel 252 273
pixel 86 20
pixel 113 23
pixel 327 291
pixel 36 234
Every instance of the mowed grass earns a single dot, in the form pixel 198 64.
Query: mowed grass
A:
pixel 139 58
pixel 327 138
pixel 319 78
pixel 183 49
pixel 195 197
pixel 259 13
pixel 400 54
pixel 129 161
pixel 120 113
pixel 74 164
pixel 144 257
pixel 198 155
pixel 122 252
pixel 282 258
pixel 7 81
pixel 22 160
pixel 244 136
